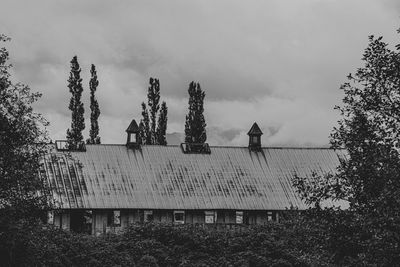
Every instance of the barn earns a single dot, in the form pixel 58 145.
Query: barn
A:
pixel 105 187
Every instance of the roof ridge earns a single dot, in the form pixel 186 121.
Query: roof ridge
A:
pixel 225 146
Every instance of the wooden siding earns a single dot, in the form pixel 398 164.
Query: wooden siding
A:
pixel 100 224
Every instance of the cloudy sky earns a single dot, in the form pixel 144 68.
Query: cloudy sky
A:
pixel 279 63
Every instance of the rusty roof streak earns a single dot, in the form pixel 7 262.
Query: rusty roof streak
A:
pixel 48 168
pixel 65 192
pixel 163 177
pixel 52 182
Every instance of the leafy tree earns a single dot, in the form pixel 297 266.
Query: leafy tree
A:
pixel 153 130
pixel 94 107
pixel 74 134
pixel 368 176
pixel 23 194
pixel 195 125
pixel 22 141
pixel 370 129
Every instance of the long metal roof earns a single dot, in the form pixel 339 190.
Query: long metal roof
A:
pixel 163 177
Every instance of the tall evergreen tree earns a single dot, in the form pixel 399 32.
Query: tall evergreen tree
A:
pixel 153 130
pixel 74 134
pixel 153 98
pixel 195 125
pixel 145 134
pixel 162 125
pixel 94 137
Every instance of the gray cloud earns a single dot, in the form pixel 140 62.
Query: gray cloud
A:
pixel 277 62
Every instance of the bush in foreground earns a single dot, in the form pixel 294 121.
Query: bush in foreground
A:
pixel 274 244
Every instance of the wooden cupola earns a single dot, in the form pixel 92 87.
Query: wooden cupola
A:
pixel 132 134
pixel 255 137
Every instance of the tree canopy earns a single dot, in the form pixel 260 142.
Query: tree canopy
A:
pixel 370 129
pixel 22 142
pixel 162 125
pixel 94 137
pixel 74 134
pixel 153 130
pixel 195 125
pixel 368 177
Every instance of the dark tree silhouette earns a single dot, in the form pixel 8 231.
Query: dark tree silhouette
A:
pixel 368 176
pixel 153 98
pixel 94 137
pixel 74 134
pixel 22 143
pixel 162 125
pixel 145 134
pixel 195 125
pixel 153 130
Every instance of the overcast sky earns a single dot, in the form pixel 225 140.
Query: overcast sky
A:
pixel 277 62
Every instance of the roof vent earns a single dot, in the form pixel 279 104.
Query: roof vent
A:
pixel 132 131
pixel 196 148
pixel 64 145
pixel 255 137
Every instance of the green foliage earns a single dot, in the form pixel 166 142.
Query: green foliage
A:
pixel 74 134
pixel 195 125
pixel 368 177
pixel 370 129
pixel 22 141
pixel 153 130
pixel 148 261
pixel 317 189
pixel 162 125
pixel 94 137
pixel 144 126
pixel 153 98
pixel 54 247
pixel 273 244
pixel 23 194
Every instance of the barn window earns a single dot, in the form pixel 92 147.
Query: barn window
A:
pixel 114 218
pixel 179 217
pixel 117 217
pixel 270 216
pixel 210 216
pixel 148 216
pixel 88 215
pixel 50 217
pixel 239 217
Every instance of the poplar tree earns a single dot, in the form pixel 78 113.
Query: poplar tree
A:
pixel 195 125
pixel 162 125
pixel 94 137
pixel 144 126
pixel 153 98
pixel 74 134
pixel 153 128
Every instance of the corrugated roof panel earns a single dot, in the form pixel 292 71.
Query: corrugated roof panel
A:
pixel 163 177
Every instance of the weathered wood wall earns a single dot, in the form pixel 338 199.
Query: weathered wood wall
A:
pixel 100 222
